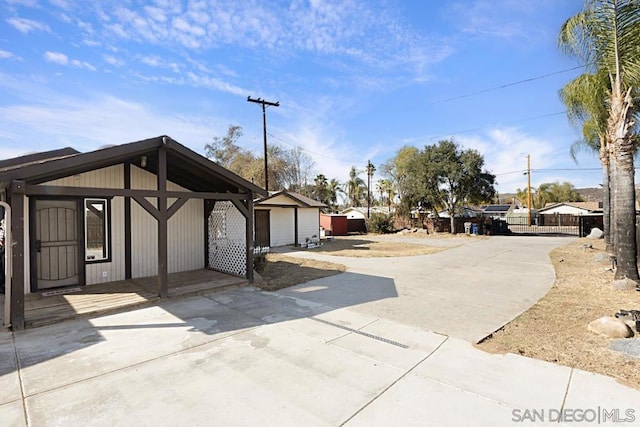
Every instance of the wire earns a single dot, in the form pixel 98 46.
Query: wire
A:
pixel 531 79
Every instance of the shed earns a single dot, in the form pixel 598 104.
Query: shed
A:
pixel 336 224
pixel 286 218
pixel 146 208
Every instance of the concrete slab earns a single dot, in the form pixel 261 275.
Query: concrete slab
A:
pixel 12 413
pixel 457 292
pixel 267 376
pixel 418 401
pixel 415 338
pixel 73 351
pixel 612 403
pixel 9 379
pixel 515 381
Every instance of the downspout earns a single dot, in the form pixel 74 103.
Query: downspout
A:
pixel 7 264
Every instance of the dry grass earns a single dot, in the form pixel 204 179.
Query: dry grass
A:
pixel 282 271
pixel 361 247
pixel 555 328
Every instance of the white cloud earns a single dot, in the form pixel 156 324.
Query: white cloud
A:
pixel 89 123
pixel 9 55
pixel 112 60
pixel 56 57
pixel 27 25
pixel 62 59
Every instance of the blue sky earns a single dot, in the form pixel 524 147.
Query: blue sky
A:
pixel 356 79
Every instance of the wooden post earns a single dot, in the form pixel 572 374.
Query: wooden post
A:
pixel 18 254
pixel 163 268
pixel 127 222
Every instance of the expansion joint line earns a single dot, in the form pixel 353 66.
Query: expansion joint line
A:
pixel 393 383
pixel 23 395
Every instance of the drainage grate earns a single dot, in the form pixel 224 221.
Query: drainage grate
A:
pixel 364 334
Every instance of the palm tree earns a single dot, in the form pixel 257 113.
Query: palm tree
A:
pixel 586 100
pixel 334 187
pixel 355 188
pixel 606 36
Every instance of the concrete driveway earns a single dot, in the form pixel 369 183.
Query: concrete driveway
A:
pixel 247 357
pixel 467 291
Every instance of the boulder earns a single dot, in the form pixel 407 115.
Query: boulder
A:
pixel 624 284
pixel 596 233
pixel 610 327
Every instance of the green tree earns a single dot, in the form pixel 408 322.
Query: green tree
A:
pixel 448 177
pixel 586 100
pixel 605 35
pixel 288 169
pixel 397 170
pixel 550 192
pixel 335 188
pixel 355 188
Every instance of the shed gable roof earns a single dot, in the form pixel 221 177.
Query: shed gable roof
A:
pixel 297 198
pixel 184 166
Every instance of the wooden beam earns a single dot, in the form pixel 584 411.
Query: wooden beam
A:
pixel 295 226
pixel 127 223
pixel 175 207
pixel 55 190
pixel 163 267
pixel 147 206
pixel 249 239
pixel 18 254
pixel 241 207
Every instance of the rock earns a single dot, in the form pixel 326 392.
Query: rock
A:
pixel 624 284
pixel 602 258
pixel 610 327
pixel 596 233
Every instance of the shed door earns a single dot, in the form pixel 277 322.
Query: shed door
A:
pixel 263 237
pixel 56 243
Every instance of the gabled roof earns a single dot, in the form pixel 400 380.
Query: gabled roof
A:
pixel 301 200
pixel 28 159
pixel 497 208
pixel 587 206
pixel 184 166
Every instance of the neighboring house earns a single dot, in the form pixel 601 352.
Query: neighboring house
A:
pixel 286 218
pixel 466 212
pixel 571 208
pixel 361 212
pixel 147 208
pixel 497 211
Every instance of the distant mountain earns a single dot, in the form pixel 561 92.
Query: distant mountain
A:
pixel 592 194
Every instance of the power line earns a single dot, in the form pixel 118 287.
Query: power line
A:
pixel 506 85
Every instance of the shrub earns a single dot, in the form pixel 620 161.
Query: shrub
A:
pixel 380 223
pixel 260 262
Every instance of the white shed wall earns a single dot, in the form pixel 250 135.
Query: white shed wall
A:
pixel 308 223
pixel 282 226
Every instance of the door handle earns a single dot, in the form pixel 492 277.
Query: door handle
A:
pixel 38 245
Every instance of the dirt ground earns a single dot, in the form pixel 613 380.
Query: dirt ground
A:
pixel 555 328
pixel 363 247
pixel 282 271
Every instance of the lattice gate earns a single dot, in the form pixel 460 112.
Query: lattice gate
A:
pixel 227 239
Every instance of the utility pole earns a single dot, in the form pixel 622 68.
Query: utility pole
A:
pixel 370 170
pixel 529 186
pixel 264 131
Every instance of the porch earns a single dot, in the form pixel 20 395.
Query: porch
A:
pixel 43 308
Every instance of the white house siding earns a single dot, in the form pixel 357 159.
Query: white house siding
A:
pixel 564 209
pixel 109 177
pixel 185 228
pixel 308 223
pixel 185 234
pixel 282 228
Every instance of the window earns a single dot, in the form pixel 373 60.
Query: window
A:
pixel 96 230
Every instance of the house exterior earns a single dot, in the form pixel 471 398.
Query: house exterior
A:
pixel 571 208
pixel 360 212
pixel 497 211
pixel 286 218
pixel 147 208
